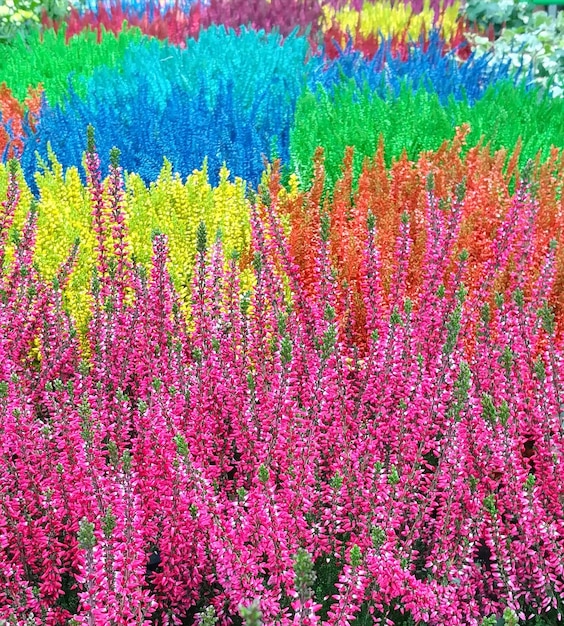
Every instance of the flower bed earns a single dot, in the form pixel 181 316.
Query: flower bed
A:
pixel 280 324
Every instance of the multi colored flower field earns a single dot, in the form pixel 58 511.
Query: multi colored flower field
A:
pixel 281 319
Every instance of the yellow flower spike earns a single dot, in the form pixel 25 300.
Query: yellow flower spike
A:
pixel 391 20
pixel 64 215
pixel 169 205
pixel 142 218
pixel 449 21
pixel 286 223
pixel 293 186
pixel 23 207
pixel 176 208
pixel 230 213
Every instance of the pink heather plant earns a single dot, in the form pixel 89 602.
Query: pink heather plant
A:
pixel 253 460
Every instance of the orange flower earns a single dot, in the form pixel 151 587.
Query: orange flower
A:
pixel 487 180
pixel 12 116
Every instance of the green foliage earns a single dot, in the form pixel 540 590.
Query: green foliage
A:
pixel 263 473
pixel 356 556
pixel 304 575
pixel 69 599
pixel 510 618
pixel 20 17
pixel 416 121
pixel 286 350
pixel 535 40
pixel 485 13
pixel 252 615
pixel 207 617
pixel 327 572
pixel 201 239
pixel 47 59
pixel 86 538
pixel 489 412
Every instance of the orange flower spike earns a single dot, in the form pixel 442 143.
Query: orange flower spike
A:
pixel 388 215
pixel 12 115
pixel 373 194
pixel 304 212
pixel 550 179
pixel 547 226
pixel 340 214
pixel 513 164
pixel 33 104
pixel 551 218
pixel 410 197
pixel 373 190
pixel 450 168
pixel 311 209
pixel 479 223
pixel 4 138
pixel 316 191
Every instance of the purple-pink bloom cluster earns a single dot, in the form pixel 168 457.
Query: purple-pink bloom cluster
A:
pixel 161 465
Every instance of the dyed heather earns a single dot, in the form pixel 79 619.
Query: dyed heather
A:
pixel 232 99
pixel 425 65
pixel 226 98
pixel 54 62
pixel 416 121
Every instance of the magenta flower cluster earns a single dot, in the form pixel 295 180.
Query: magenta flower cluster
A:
pixel 254 460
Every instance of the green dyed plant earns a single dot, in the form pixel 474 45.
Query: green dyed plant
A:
pixel 21 17
pixel 48 59
pixel 417 121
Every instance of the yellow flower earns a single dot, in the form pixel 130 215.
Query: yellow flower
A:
pixel 391 20
pixel 170 205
